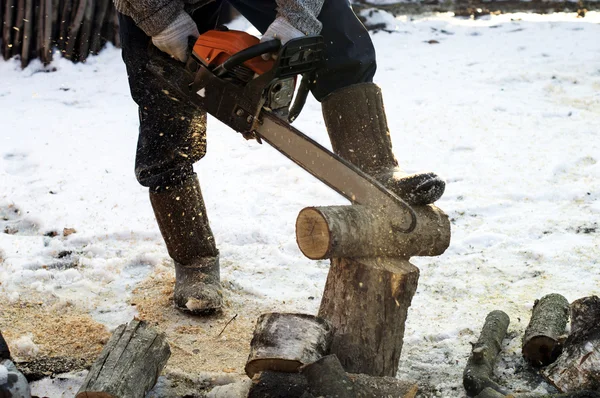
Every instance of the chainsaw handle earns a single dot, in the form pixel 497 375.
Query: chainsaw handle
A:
pixel 247 54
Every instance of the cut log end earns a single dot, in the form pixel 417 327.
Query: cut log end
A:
pixel 540 350
pixel 313 234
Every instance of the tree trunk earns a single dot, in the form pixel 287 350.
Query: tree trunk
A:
pixel 27 33
pixel 285 342
pixel 366 300
pixel 86 30
pixel 96 39
pixel 74 27
pixel 578 367
pixel 548 321
pixel 7 31
pixel 270 384
pixel 480 366
pixel 129 365
pixel 360 231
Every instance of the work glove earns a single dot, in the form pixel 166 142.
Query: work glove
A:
pixel 173 40
pixel 281 30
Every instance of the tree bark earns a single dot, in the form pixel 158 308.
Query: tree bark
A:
pixel 366 300
pixel 268 384
pixel 480 366
pixel 74 27
pixel 360 231
pixel 18 27
pixel 549 318
pixel 86 30
pixel 578 367
pixel 96 38
pixel 129 365
pixel 7 31
pixel 326 377
pixel 285 342
pixel 46 44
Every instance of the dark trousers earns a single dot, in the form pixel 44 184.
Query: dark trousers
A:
pixel 172 133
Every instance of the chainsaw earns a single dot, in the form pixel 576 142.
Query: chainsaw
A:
pixel 227 77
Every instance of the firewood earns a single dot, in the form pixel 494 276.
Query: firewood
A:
pixel 46 43
pixel 65 17
pixel 268 384
pixel 490 393
pixel 129 365
pixel 549 318
pixel 480 366
pixel 578 367
pixel 370 386
pixel 366 300
pixel 327 378
pixel 285 342
pixel 18 27
pixel 360 231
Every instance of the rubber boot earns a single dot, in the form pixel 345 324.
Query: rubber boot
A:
pixel 357 126
pixel 183 223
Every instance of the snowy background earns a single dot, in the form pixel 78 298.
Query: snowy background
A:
pixel 507 109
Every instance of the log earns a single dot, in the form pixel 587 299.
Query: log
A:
pixel 578 367
pixel 327 378
pixel 285 342
pixel 277 384
pixel 129 364
pixel 96 36
pixel 74 28
pixel 549 318
pixel 360 231
pixel 369 386
pixel 366 300
pixel 480 366
pixel 18 27
pixel 46 43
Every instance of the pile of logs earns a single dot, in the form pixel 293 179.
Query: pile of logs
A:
pixel 570 363
pixel 33 28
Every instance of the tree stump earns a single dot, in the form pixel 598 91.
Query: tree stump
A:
pixel 285 342
pixel 371 282
pixel 578 367
pixel 549 318
pixel 367 300
pixel 129 365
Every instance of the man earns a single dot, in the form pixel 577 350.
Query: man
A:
pixel 172 132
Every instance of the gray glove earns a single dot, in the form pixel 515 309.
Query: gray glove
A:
pixel 174 38
pixel 281 30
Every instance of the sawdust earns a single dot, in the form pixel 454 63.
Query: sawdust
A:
pixel 197 344
pixel 56 328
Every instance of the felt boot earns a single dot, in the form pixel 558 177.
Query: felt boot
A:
pixel 181 217
pixel 357 126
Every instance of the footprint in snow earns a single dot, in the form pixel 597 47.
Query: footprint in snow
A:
pixel 17 163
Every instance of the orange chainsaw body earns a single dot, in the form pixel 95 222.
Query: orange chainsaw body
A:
pixel 215 46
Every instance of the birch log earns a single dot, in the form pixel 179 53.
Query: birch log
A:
pixel 360 231
pixel 129 365
pixel 366 300
pixel 549 318
pixel 578 367
pixel 285 342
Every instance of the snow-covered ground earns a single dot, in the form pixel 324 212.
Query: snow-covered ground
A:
pixel 507 109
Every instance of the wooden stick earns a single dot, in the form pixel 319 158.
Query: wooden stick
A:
pixel 129 365
pixel 27 33
pixel 366 300
pixel 549 318
pixel 285 342
pixel 578 366
pixel 480 366
pixel 360 231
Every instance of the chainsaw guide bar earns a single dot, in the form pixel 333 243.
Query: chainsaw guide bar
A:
pixel 256 103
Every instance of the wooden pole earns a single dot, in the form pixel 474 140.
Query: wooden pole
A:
pixel 96 35
pixel 28 38
pixel 285 342
pixel 129 365
pixel 74 28
pixel 360 231
pixel 7 31
pixel 549 318
pixel 367 300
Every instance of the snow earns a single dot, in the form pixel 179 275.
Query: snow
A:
pixel 24 347
pixel 507 109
